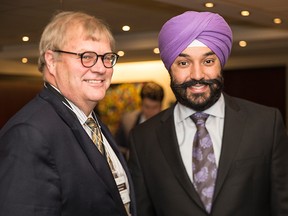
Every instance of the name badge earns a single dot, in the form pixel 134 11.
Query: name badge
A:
pixel 123 190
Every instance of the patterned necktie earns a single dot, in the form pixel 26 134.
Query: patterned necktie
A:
pixel 96 134
pixel 203 161
pixel 98 141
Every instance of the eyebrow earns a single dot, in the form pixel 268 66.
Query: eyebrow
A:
pixel 205 54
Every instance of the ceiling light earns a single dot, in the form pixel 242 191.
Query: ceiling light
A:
pixel 245 13
pixel 209 5
pixel 126 28
pixel 277 20
pixel 25 38
pixel 156 50
pixel 24 60
pixel 121 53
pixel 242 43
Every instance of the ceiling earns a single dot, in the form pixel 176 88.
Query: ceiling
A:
pixel 19 18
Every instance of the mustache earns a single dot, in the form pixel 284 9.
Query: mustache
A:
pixel 195 82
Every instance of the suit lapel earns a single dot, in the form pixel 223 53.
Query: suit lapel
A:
pixel 234 125
pixel 170 148
pixel 113 144
pixel 97 160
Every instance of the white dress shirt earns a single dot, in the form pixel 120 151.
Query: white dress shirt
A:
pixel 186 129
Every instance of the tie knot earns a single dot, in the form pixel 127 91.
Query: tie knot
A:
pixel 91 123
pixel 199 118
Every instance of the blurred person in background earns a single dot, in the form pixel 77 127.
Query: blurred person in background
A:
pixel 151 95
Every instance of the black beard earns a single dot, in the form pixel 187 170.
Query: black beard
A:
pixel 215 85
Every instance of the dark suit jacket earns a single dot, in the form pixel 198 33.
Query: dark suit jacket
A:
pixel 252 173
pixel 49 165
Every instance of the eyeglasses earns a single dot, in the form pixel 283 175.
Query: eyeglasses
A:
pixel 89 58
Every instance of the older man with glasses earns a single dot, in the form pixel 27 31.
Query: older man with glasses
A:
pixel 56 156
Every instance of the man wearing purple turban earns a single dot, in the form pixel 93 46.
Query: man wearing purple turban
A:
pixel 236 164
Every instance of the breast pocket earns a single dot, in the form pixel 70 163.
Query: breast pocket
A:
pixel 248 169
pixel 249 162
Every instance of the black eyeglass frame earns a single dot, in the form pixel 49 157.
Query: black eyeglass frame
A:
pixel 97 56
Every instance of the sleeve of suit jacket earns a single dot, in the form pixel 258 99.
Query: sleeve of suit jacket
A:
pixel 279 169
pixel 24 160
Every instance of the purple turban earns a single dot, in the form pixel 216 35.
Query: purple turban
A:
pixel 209 28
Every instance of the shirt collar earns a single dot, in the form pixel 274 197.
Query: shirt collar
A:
pixel 78 112
pixel 216 110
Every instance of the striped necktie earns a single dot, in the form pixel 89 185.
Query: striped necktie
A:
pixel 96 134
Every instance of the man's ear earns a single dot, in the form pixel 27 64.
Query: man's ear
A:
pixel 50 61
